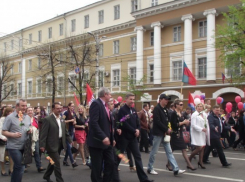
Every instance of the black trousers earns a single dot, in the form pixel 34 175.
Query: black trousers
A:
pixel 144 142
pixel 134 148
pixel 241 138
pixel 98 156
pixel 56 167
pixel 215 143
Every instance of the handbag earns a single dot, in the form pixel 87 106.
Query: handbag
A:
pixel 167 138
pixel 186 136
pixel 27 154
pixel 74 150
pixel 2 142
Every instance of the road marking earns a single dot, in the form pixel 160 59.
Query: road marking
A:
pixel 198 175
pixel 239 159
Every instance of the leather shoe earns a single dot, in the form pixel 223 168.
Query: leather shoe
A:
pixel 206 162
pixel 47 179
pixel 148 180
pixel 41 169
pixel 227 165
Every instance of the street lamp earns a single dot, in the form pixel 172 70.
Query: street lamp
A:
pixel 97 47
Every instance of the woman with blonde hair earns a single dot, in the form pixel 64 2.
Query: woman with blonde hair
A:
pixel 80 133
pixel 199 133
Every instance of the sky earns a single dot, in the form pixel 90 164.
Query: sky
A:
pixel 18 14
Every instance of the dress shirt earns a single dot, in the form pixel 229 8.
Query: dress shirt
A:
pixel 59 124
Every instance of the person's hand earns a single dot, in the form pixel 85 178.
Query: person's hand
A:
pixel 233 130
pixel 137 132
pixel 168 132
pixel 29 131
pixel 106 141
pixel 114 143
pixel 74 123
pixel 42 149
pixel 83 126
pixel 217 129
pixel 187 122
pixel 17 135
pixel 86 124
pixel 119 131
pixel 72 120
pixel 204 130
pixel 5 139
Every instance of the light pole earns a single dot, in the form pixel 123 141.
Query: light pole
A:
pixel 97 47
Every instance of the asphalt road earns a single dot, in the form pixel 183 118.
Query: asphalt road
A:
pixel 214 172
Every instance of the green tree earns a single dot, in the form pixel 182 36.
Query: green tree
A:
pixel 230 40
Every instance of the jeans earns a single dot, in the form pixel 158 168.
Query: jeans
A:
pixel 37 155
pixel 68 153
pixel 18 171
pixel 156 143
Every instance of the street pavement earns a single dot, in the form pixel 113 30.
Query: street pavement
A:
pixel 214 172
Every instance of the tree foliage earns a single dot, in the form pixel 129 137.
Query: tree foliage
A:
pixel 230 40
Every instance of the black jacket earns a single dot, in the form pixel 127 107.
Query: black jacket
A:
pixel 160 121
pixel 214 121
pixel 130 125
pixel 100 126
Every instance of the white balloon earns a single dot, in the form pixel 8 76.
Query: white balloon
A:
pixel 197 101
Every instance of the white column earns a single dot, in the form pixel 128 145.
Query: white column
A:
pixel 139 54
pixel 23 78
pixel 211 55
pixel 188 39
pixel 157 52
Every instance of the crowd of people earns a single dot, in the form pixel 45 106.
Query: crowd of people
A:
pixel 105 131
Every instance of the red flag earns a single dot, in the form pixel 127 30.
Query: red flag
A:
pixel 76 99
pixel 90 96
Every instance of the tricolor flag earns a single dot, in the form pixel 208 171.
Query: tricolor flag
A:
pixel 223 78
pixel 90 95
pixel 188 76
pixel 191 102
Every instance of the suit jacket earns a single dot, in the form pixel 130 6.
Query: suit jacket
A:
pixel 49 135
pixel 160 121
pixel 143 122
pixel 214 121
pixel 130 125
pixel 100 126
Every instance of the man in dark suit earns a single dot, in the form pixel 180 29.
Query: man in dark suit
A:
pixel 100 138
pixel 130 131
pixel 216 127
pixel 52 139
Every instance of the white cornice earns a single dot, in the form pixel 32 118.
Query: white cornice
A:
pixel 170 6
pixel 187 17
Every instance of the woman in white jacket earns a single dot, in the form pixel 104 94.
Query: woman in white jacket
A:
pixel 199 133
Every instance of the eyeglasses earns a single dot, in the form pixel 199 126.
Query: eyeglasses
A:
pixel 180 104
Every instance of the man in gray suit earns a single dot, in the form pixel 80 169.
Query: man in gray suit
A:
pixel 52 139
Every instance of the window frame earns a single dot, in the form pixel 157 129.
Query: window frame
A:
pixel 177 34
pixel 29 64
pixel 116 78
pixel 179 74
pixel 86 21
pixel 133 43
pixel 20 67
pixel 202 29
pixel 101 16
pixel 198 68
pixel 117 12
pixel 38 90
pixel 116 46
pixel 40 36
pixel 73 25
pixel 101 50
pixel 50 32
pixel 152 38
pixel 61 29
pixel 30 87
pixel 134 5
pixel 154 3
pixel 30 38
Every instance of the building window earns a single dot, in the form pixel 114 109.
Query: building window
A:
pixel 86 21
pixel 152 39
pixel 73 80
pixel 101 78
pixel 116 12
pixel 61 29
pixel 30 38
pixel 39 86
pixel 11 89
pixel 49 85
pixel 29 87
pixel 202 67
pixel 73 25
pixel 4 90
pixel 116 47
pixel 38 62
pixel 20 67
pixel 5 46
pixel 151 73
pixel 154 2
pixel 50 32
pixel 85 78
pixel 234 68
pixel 101 50
pixel 177 34
pixel 20 43
pixel 29 64
pixel 132 74
pixel 19 89
pixel 60 84
pixel 133 43
pixel 12 44
pixel 116 78
pixel 101 16
pixel 177 70
pixel 40 36
pixel 134 5
pixel 203 28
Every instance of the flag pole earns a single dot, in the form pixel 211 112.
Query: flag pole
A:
pixel 181 87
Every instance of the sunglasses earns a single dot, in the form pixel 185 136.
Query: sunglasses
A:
pixel 180 104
